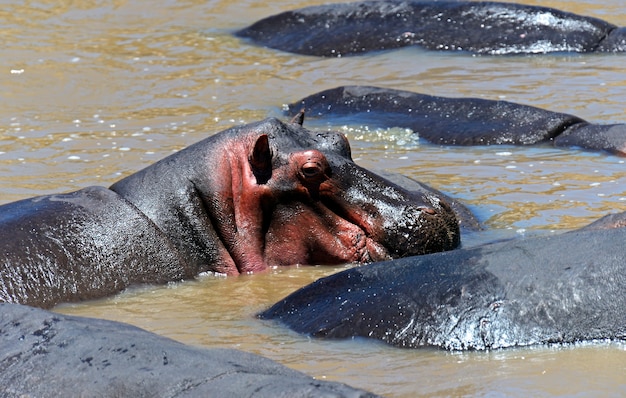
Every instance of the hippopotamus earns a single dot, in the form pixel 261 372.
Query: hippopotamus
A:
pixel 476 27
pixel 556 289
pixel 264 194
pixel 462 121
pixel 46 354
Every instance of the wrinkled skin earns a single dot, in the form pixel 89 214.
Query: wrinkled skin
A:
pixel 261 195
pixel 462 121
pixel 337 30
pixel 558 289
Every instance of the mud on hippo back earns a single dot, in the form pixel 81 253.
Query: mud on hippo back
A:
pixel 255 196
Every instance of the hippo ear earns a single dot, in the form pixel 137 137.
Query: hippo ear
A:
pixel 299 118
pixel 261 159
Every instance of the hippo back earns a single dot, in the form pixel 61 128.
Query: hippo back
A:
pixel 557 289
pixel 78 246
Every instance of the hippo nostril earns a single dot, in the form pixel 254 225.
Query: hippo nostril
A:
pixel 427 210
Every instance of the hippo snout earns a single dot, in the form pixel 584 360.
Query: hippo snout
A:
pixel 404 221
pixel 423 229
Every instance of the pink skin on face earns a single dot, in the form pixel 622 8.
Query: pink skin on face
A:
pixel 301 230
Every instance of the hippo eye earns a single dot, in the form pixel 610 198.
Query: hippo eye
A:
pixel 312 172
pixel 312 167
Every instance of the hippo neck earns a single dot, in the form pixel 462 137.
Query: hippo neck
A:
pixel 165 193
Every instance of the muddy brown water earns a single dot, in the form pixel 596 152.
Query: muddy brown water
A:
pixel 93 90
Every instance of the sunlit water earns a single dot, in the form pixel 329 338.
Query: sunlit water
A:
pixel 92 91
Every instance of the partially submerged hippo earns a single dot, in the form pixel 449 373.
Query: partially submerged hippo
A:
pixel 254 196
pixel 552 289
pixel 336 30
pixel 43 354
pixel 461 121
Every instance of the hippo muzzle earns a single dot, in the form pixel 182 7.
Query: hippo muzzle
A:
pixel 404 223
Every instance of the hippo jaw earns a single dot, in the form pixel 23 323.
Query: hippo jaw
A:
pixel 348 227
pixel 314 234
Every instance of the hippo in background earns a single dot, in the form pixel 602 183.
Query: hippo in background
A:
pixel 252 197
pixel 565 288
pixel 461 121
pixel 477 27
pixel 43 354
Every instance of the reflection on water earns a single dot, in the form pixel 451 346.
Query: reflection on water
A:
pixel 94 90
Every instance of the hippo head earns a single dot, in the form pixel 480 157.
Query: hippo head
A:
pixel 274 193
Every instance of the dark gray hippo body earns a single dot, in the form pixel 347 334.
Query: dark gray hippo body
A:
pixel 81 245
pixel 559 289
pixel 260 195
pixel 461 121
pixel 43 354
pixel 336 30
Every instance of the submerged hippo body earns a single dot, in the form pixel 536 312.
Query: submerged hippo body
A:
pixel 461 121
pixel 254 196
pixel 45 354
pixel 558 289
pixel 336 30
